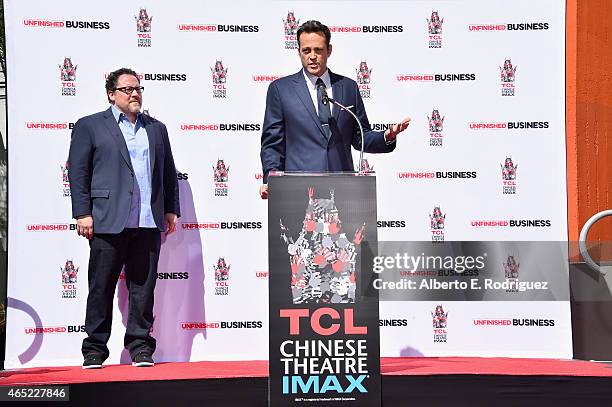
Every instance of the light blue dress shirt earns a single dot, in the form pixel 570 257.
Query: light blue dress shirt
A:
pixel 137 142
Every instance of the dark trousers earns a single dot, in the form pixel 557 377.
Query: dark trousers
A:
pixel 138 250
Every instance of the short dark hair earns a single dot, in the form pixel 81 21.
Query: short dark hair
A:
pixel 111 79
pixel 313 26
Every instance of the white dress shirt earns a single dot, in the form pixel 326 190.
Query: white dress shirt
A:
pixel 311 83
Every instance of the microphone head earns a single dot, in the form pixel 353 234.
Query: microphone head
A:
pixel 323 91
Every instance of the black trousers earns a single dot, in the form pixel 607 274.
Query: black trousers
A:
pixel 138 250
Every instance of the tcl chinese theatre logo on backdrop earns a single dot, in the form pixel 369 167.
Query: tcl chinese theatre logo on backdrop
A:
pixel 291 25
pixel 221 178
pixel 508 172
pixel 434 29
pixel 508 77
pixel 364 77
pixel 436 127
pixel 367 167
pixel 222 277
pixel 65 181
pixel 69 279
pixel 219 79
pixel 436 220
pixel 511 273
pixel 143 28
pixel 68 77
pixel 439 322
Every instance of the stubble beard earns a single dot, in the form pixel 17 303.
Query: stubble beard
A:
pixel 134 107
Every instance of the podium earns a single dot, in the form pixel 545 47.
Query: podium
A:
pixel 324 345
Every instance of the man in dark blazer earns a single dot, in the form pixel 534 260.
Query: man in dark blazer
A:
pixel 124 191
pixel 300 133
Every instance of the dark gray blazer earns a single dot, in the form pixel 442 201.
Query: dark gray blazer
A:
pixel 102 177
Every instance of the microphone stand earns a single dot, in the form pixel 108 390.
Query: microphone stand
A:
pixel 347 109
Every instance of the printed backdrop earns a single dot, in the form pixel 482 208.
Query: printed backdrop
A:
pixel 482 159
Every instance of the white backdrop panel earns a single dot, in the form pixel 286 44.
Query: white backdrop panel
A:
pixel 193 321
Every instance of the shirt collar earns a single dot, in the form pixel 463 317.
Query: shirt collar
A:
pixel 310 78
pixel 119 115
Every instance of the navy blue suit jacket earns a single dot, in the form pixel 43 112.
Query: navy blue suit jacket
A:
pixel 293 139
pixel 102 178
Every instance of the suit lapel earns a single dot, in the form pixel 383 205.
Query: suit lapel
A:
pixel 113 127
pixel 301 88
pixel 153 136
pixel 337 91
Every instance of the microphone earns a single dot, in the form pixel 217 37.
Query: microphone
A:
pixel 324 97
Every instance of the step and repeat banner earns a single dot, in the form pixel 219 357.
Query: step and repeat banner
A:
pixel 482 160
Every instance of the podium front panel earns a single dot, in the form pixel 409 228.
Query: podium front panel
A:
pixel 324 333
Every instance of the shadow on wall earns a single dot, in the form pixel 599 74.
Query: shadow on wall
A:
pixel 411 352
pixel 28 354
pixel 179 293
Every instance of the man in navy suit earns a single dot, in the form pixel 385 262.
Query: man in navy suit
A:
pixel 124 193
pixel 300 133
